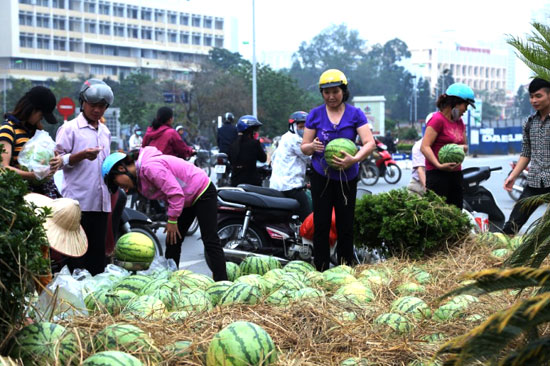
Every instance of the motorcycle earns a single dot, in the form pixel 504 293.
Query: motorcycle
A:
pixel 368 172
pixel 477 198
pixel 387 167
pixel 222 168
pixel 255 220
pixel 202 159
pixel 519 184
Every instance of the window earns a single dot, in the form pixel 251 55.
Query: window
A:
pixel 184 38
pixel 75 5
pixel 196 39
pixel 51 66
pixel 159 16
pixel 172 18
pixel 218 24
pixel 173 37
pixel 25 40
pixel 207 23
pixel 132 12
pixel 75 25
pixel 104 8
pixel 43 42
pixel 90 26
pixel 124 52
pixel 109 50
pixel 105 28
pixel 133 31
pixel 118 30
pixel 59 23
pixel 96 69
pixel 118 10
pixel 17 64
pixel 110 70
pixel 146 33
pixel 34 65
pixel 59 44
pixel 146 14
pixel 25 2
pixel 75 45
pixel 42 20
pixel 184 19
pixel 42 3
pixel 89 7
pixel 208 40
pixel 159 35
pixel 96 49
pixel 196 21
pixel 25 18
pixel 59 4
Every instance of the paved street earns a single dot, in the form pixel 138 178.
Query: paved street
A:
pixel 192 252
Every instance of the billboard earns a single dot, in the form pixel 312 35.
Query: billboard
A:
pixel 374 108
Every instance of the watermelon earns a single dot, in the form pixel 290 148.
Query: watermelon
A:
pixel 464 300
pixel 241 293
pixel 274 273
pixel 241 344
pixel 333 280
pixel 154 285
pixel 342 268
pixel 195 281
pixel 194 300
pixel 178 316
pixel 216 290
pixel 298 266
pixel 135 247
pixel 103 301
pixel 280 297
pixel 170 298
pixel 449 311
pixel 127 338
pixel 178 348
pixel 335 148
pixel 356 291
pixel 133 283
pixel 435 337
pixel 255 280
pixel 395 321
pixel 410 288
pixel 233 270
pixel 144 306
pixel 451 153
pixel 43 343
pixel 256 265
pixel 411 305
pixel 112 358
pixel 308 293
pixel 355 361
pixel 500 253
pixel 346 316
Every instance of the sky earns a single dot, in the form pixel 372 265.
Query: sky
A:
pixel 282 25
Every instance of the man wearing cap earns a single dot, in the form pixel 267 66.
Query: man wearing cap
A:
pixel 84 143
pixel 20 126
pixel 535 149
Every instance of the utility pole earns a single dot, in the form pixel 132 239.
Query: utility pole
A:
pixel 254 87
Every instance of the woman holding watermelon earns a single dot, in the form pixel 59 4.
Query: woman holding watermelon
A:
pixel 446 127
pixel 334 186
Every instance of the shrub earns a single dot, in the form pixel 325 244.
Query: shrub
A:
pixel 408 133
pixel 22 237
pixel 398 223
pixel 404 148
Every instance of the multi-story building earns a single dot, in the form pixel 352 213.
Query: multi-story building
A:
pixel 45 39
pixel 484 69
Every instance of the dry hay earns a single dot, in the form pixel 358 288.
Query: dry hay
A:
pixel 310 333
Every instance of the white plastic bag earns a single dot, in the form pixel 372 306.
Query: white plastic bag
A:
pixel 37 153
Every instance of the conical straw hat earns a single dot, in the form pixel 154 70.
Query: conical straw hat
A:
pixel 63 229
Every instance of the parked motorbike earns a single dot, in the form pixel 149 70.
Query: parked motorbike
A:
pixel 222 168
pixel 368 172
pixel 477 198
pixel 255 220
pixel 520 183
pixel 387 167
pixel 202 159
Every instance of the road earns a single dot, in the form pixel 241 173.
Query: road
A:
pixel 192 256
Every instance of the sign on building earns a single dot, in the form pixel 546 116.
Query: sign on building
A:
pixel 374 108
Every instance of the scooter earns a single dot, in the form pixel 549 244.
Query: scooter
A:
pixel 387 167
pixel 477 198
pixel 519 184
pixel 222 168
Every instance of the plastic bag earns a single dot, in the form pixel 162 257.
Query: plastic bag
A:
pixel 160 264
pixel 307 228
pixel 37 153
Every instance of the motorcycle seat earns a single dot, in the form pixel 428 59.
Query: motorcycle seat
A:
pixel 261 190
pixel 475 175
pixel 259 200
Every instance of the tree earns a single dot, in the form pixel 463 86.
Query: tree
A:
pixel 534 50
pixel 138 96
pixel 424 100
pixel 522 104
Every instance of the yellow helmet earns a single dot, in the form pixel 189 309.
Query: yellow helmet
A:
pixel 332 77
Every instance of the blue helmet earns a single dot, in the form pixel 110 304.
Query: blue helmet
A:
pixel 246 122
pixel 462 91
pixel 108 164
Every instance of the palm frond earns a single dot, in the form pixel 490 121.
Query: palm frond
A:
pixel 489 338
pixel 535 353
pixel 534 50
pixel 497 279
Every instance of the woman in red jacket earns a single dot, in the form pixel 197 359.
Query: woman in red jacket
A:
pixel 162 136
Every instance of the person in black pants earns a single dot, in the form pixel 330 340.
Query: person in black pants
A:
pixel 535 149
pixel 245 152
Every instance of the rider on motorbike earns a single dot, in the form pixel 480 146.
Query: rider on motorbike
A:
pixel 227 133
pixel 289 164
pixel 245 152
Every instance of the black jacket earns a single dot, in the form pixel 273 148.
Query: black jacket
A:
pixel 226 135
pixel 244 154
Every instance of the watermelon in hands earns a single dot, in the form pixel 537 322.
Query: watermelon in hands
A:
pixel 451 153
pixel 334 149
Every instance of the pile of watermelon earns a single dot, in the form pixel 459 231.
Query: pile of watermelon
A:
pixel 451 153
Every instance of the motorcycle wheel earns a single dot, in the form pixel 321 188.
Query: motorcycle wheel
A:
pixel 521 181
pixel 392 174
pixel 228 231
pixel 368 173
pixel 139 228
pixel 193 228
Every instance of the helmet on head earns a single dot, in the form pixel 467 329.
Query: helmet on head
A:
pixel 137 128
pixel 296 117
pixel 179 127
pixel 229 117
pixel 107 166
pixel 332 77
pixel 246 122
pixel 95 91
pixel 462 91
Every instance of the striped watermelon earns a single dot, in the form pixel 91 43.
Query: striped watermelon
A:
pixel 233 270
pixel 43 343
pixel 103 301
pixel 411 305
pixel 346 316
pixel 435 338
pixel 355 361
pixel 333 280
pixel 133 283
pixel 449 311
pixel 274 273
pixel 255 280
pixel 126 338
pixel 334 148
pixel 308 293
pixel 298 266
pixel 410 288
pixel 112 358
pixel 144 307
pixel 178 348
pixel 135 247
pixel 280 297
pixel 241 344
pixel 170 298
pixel 395 321
pixel 178 316
pixel 356 291
pixel 451 153
pixel 255 265
pixel 194 300
pixel 195 281
pixel 158 284
pixel 241 293
pixel 464 300
pixel 216 290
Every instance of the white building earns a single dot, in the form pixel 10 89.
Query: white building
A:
pixel 489 69
pixel 45 39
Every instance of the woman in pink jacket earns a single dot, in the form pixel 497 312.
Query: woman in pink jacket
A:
pixel 162 136
pixel 188 191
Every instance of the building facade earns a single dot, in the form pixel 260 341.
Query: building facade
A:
pixel 45 39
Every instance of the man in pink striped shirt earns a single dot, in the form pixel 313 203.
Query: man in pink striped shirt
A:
pixel 84 143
